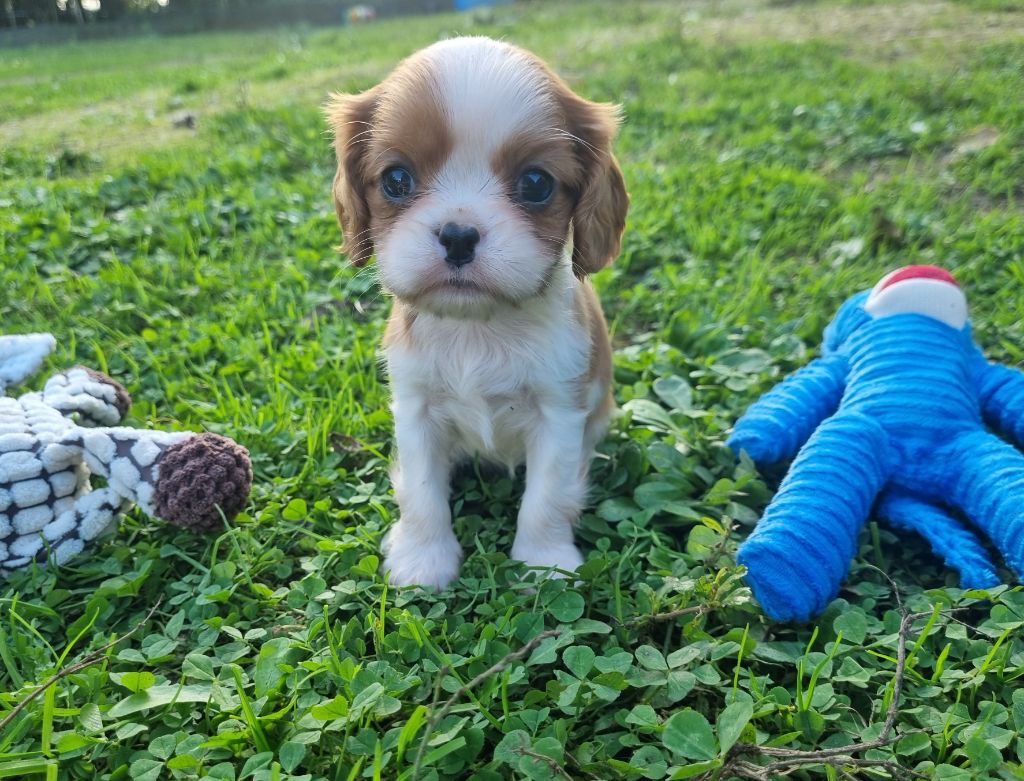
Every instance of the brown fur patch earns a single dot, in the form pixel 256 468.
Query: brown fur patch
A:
pixel 541 148
pixel 398 122
pixel 409 126
pixel 400 322
pixel 593 193
pixel 350 117
pixel 599 217
pixel 599 368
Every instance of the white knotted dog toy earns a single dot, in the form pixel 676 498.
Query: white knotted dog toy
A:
pixel 53 440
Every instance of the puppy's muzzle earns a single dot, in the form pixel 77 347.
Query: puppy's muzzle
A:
pixel 459 242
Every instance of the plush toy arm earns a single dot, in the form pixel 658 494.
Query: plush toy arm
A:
pixel 957 545
pixel 93 398
pixel 183 478
pixel 191 480
pixel 21 356
pixel 984 478
pixel 780 422
pixel 800 551
pixel 1001 392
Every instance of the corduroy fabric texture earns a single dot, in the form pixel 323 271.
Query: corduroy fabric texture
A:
pixel 958 546
pixel 895 412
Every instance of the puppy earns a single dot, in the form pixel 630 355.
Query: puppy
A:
pixel 488 191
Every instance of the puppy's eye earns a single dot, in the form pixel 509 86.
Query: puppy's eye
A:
pixel 397 183
pixel 534 186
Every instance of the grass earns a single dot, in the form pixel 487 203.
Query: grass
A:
pixel 780 157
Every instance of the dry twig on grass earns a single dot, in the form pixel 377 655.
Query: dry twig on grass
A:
pixel 670 615
pixel 439 713
pixel 551 763
pixel 787 760
pixel 91 659
pixel 842 756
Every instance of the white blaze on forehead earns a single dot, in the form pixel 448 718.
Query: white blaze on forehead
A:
pixel 934 298
pixel 488 91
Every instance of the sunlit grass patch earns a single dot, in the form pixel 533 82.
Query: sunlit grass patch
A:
pixel 779 156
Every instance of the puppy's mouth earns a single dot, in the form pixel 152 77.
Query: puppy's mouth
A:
pixel 453 283
pixel 461 283
pixel 467 286
pixel 453 293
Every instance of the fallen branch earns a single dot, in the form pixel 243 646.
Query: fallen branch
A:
pixel 711 602
pixel 89 660
pixel 671 615
pixel 438 714
pixel 551 763
pixel 753 772
pixel 841 756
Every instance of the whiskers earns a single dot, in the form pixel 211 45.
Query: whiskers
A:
pixel 360 244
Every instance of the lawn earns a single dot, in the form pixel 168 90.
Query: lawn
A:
pixel 780 157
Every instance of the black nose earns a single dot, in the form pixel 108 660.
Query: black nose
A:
pixel 459 241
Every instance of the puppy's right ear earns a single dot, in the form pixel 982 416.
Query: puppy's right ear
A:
pixel 350 117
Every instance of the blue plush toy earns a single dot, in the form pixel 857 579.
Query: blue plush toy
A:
pixel 897 415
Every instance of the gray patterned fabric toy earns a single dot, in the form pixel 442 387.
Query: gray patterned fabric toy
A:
pixel 53 440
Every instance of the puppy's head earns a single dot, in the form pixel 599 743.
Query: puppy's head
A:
pixel 467 170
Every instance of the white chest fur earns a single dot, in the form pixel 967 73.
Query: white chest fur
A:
pixel 483 384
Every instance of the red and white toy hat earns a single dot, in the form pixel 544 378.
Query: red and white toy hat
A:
pixel 923 290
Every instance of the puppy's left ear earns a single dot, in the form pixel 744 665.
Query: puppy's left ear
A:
pixel 350 118
pixel 599 217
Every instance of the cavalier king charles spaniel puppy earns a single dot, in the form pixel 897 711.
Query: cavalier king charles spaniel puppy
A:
pixel 488 192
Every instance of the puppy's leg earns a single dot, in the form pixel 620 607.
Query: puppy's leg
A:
pixel 420 549
pixel 556 487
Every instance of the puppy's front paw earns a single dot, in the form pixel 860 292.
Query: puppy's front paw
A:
pixel 413 562
pixel 561 556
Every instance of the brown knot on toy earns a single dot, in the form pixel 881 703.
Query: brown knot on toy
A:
pixel 199 475
pixel 122 399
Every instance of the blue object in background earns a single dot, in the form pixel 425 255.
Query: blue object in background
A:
pixel 895 415
pixel 465 5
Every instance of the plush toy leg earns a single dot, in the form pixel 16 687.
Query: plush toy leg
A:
pixel 1001 390
pixel 779 423
pixel 190 480
pixel 92 397
pixel 126 457
pixel 800 551
pixel 986 481
pixel 949 538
